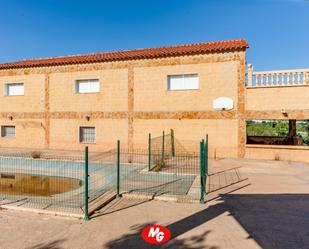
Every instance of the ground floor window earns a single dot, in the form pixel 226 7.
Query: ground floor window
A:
pixel 278 132
pixel 8 131
pixel 87 134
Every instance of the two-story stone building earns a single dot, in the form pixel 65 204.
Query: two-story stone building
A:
pixel 50 103
pixel 67 102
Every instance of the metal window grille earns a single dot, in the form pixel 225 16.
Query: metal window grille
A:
pixel 8 131
pixel 87 135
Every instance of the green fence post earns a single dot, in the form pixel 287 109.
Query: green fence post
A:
pixel 149 151
pixel 163 147
pixel 86 197
pixel 118 169
pixel 206 161
pixel 202 148
pixel 172 142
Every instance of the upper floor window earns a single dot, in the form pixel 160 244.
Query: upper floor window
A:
pixel 87 86
pixel 182 82
pixel 8 131
pixel 14 89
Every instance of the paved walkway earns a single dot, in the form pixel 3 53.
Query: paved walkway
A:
pixel 270 209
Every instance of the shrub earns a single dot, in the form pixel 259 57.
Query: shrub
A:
pixel 159 164
pixel 36 154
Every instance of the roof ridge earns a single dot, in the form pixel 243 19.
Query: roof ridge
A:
pixel 136 49
pixel 139 53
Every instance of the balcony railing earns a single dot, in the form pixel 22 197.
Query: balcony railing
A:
pixel 278 78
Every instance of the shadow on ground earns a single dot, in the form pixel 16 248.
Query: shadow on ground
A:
pixel 118 205
pixel 272 220
pixel 223 179
pixel 51 245
pixel 134 240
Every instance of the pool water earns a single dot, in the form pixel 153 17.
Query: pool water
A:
pixel 34 185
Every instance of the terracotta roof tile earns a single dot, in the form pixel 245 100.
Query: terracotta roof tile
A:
pixel 147 53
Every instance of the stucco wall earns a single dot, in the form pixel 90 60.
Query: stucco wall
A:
pixel 215 80
pixel 283 153
pixel 222 134
pixel 31 101
pixel 113 94
pixel 64 133
pixel 277 98
pixel 29 133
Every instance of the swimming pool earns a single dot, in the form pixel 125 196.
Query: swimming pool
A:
pixel 58 174
pixel 61 182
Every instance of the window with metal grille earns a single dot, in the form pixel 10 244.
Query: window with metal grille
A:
pixel 87 135
pixel 87 86
pixel 14 89
pixel 7 131
pixel 183 82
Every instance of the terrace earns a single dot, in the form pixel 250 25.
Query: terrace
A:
pixel 277 113
pixel 277 78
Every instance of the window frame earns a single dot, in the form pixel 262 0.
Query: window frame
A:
pixel 79 134
pixel 6 89
pixel 3 131
pixel 77 81
pixel 168 78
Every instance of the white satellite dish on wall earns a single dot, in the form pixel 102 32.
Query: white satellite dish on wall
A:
pixel 223 103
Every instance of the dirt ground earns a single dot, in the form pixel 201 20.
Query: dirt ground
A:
pixel 268 209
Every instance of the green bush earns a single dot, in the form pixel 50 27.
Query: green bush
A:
pixel 278 128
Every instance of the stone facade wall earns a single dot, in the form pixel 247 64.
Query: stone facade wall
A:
pixel 133 101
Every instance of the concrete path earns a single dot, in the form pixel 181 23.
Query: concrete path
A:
pixel 268 210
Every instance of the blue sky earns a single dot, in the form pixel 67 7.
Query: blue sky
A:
pixel 277 30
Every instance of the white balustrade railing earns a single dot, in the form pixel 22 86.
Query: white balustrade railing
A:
pixel 278 78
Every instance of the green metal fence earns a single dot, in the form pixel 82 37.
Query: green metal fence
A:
pixel 70 183
pixel 56 182
pixel 31 180
pixel 161 147
pixel 177 175
pixel 203 167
